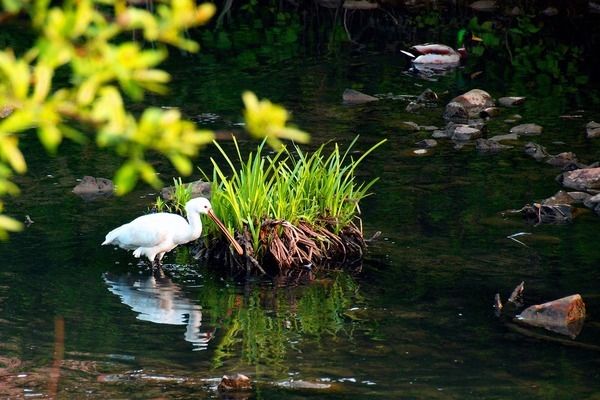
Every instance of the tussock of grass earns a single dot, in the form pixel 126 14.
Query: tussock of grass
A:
pixel 292 211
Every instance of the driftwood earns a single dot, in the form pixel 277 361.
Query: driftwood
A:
pixel 537 213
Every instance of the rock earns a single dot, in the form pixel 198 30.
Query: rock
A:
pixel 508 136
pixel 440 134
pixel 485 145
pixel 550 11
pixel 426 99
pixel 428 128
pixel 351 96
pixel 465 132
pixel 527 129
pixel 360 5
pixel 413 106
pixel 484 5
pixel 592 130
pixel 592 202
pixel 536 151
pixel 468 105
pixel 565 315
pixel 199 189
pixel 234 383
pixel 420 152
pixel 580 197
pixel 91 188
pixel 562 159
pixel 489 112
pixel 561 197
pixel 427 143
pixel 513 119
pixel 511 101
pixel 582 179
pixel 409 126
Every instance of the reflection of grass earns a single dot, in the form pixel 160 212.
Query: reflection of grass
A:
pixel 258 329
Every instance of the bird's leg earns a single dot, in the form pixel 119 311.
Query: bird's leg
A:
pixel 157 270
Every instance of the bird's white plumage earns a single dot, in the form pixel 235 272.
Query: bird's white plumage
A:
pixel 153 235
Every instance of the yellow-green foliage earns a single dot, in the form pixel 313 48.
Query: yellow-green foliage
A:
pixel 91 40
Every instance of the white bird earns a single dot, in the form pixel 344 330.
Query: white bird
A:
pixel 153 235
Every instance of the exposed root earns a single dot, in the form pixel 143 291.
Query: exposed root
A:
pixel 292 252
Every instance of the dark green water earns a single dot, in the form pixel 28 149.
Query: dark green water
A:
pixel 417 323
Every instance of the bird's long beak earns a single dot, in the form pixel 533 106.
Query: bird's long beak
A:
pixel 235 244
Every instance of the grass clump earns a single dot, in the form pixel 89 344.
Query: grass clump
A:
pixel 292 211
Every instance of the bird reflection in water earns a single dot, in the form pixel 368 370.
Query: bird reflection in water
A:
pixel 156 298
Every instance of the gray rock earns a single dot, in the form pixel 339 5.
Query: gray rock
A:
pixel 440 134
pixel 536 151
pixel 562 159
pixel 429 128
pixel 409 126
pixel 426 143
pixel 91 188
pixel 592 130
pixel 465 132
pixel 199 189
pixel 351 96
pixel 527 129
pixel 511 101
pixel 490 112
pixel 491 146
pixel 560 197
pixel 592 201
pixel 582 179
pixel 579 197
pixel 468 105
pixel 413 106
pixel 508 136
pixel 428 97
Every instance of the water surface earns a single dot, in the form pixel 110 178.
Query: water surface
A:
pixel 416 323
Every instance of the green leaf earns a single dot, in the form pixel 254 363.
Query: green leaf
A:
pixel 126 177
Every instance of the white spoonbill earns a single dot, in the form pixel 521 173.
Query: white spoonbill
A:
pixel 153 235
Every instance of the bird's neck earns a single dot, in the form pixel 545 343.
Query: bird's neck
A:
pixel 195 225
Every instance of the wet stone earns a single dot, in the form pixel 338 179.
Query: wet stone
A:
pixel 561 197
pixel 91 188
pixel 409 126
pixel 468 105
pixel 491 146
pixel 562 159
pixel 508 136
pixel 429 128
pixel 511 101
pixel 426 143
pixel 440 134
pixel 527 129
pixel 464 132
pixel 582 179
pixel 536 151
pixel 199 188
pixel 592 130
pixel 351 96
pixel 593 202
